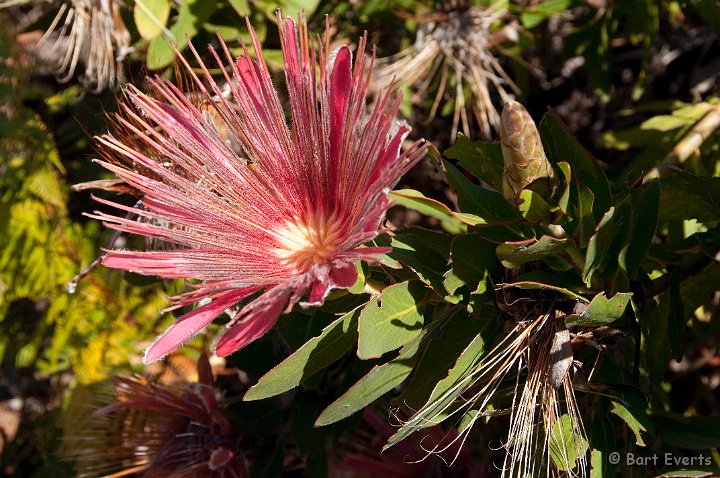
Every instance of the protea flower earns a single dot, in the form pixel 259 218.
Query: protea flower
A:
pixel 454 51
pixel 155 431
pixel 289 216
pixel 88 32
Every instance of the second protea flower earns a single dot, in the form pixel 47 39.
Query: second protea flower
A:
pixel 288 215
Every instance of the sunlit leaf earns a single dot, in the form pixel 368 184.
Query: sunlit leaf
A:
pixel 601 311
pixel 151 17
pixel 391 320
pixel 565 445
pixel 380 380
pixel 335 340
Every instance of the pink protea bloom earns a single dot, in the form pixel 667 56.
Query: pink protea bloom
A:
pixel 280 208
pixel 179 432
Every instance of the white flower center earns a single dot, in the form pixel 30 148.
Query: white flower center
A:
pixel 307 242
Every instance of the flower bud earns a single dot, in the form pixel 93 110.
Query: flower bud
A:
pixel 523 154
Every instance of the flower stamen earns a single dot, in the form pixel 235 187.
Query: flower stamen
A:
pixel 309 241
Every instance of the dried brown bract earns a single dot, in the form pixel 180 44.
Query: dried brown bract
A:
pixel 89 33
pixel 454 55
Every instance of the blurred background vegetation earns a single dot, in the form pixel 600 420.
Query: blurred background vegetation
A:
pixel 637 82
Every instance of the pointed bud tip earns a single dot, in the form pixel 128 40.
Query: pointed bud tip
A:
pixel 513 119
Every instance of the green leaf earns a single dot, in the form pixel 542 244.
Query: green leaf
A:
pixel 634 417
pixel 664 123
pixel 535 14
pixel 645 203
pixel 565 444
pixel 532 206
pixel 596 254
pixel 151 17
pixel 380 380
pixel 690 473
pixel 584 221
pixel 686 196
pixel 564 199
pixel 242 7
pixel 482 160
pixel 513 254
pixel 391 320
pixel 335 340
pixel 489 205
pixel 601 311
pixel 441 355
pixel 659 334
pixel 447 390
pixel 420 255
pixel 191 16
pixel 590 196
pixel 602 433
pixel 452 221
pixel 292 8
pixel 709 11
pixel 597 463
pixel 693 433
pixel 471 256
pixel 546 280
pixel 452 282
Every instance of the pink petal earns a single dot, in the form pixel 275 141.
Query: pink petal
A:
pixel 255 324
pixel 319 291
pixel 163 264
pixel 391 153
pixel 340 85
pixel 290 54
pixel 206 394
pixel 190 323
pixel 250 73
pixel 343 274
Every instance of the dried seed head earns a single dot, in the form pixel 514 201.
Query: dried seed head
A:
pixel 523 153
pixel 91 33
pixel 453 57
pixel 546 430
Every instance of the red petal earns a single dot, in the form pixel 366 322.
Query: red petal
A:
pixel 250 74
pixel 391 153
pixel 253 326
pixel 292 62
pixel 190 323
pixel 318 292
pixel 340 86
pixel 343 274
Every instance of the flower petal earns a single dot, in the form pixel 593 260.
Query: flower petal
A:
pixel 340 87
pixel 250 73
pixel 190 323
pixel 343 274
pixel 263 314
